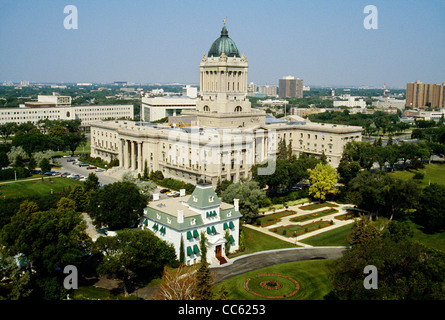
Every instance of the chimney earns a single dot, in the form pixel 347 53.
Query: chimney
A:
pixel 155 196
pixel 180 216
pixel 181 192
pixel 236 204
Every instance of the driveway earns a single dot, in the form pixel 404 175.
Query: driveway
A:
pixel 268 258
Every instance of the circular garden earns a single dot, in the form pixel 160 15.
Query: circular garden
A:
pixel 271 286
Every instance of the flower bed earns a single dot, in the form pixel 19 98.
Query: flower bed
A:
pixel 284 289
pixel 310 216
pixel 296 230
pixel 318 206
pixel 274 218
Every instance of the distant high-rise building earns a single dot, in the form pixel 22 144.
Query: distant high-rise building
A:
pixel 425 95
pixel 289 87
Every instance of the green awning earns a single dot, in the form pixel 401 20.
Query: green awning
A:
pixel 231 225
pixel 207 214
pixel 195 234
pixel 195 249
pixel 209 231
pixel 189 251
pixel 214 213
pixel 225 226
pixel 213 230
pixel 189 235
pixel 146 222
pixel 231 239
pixel 155 227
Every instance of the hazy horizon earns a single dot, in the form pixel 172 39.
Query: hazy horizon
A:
pixel 323 42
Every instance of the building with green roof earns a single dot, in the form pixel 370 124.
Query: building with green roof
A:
pixel 189 217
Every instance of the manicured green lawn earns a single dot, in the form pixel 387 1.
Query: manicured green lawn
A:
pixel 38 187
pixel 434 173
pixel 318 206
pixel 258 241
pixel 335 237
pixel 312 277
pixel 273 218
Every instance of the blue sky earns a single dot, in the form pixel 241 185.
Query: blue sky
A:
pixel 322 42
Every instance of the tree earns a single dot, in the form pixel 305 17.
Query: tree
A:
pixel 73 140
pixel 45 166
pixel 80 198
pixel 431 213
pixel 323 180
pixel 4 160
pixel 348 171
pixel 32 163
pixel 50 240
pixel 134 252
pixel 406 269
pixel 118 205
pixel 250 196
pixel 181 251
pixel 92 183
pixel 179 284
pixel 204 279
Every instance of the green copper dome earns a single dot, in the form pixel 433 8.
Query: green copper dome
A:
pixel 224 44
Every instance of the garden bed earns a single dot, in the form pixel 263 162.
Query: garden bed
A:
pixel 273 218
pixel 318 206
pixel 296 230
pixel 311 216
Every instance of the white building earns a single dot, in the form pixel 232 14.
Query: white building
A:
pixel 188 218
pixel 350 103
pixel 228 137
pixel 386 102
pixel 189 91
pixel 55 107
pixel 153 109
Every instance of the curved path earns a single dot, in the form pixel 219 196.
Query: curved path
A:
pixel 268 258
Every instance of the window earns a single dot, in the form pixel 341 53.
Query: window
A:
pixel 211 198
pixel 238 109
pixel 206 108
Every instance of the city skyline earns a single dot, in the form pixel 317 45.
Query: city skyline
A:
pixel 324 42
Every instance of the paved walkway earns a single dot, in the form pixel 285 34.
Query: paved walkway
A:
pixel 285 221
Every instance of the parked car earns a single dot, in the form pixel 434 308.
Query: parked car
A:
pixel 70 160
pixel 164 191
pixel 91 167
pixel 65 174
pixel 100 170
pixel 83 164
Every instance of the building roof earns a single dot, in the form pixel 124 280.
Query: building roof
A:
pixel 224 44
pixel 203 197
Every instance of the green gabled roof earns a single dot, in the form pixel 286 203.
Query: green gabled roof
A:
pixel 202 197
pixel 224 214
pixel 151 213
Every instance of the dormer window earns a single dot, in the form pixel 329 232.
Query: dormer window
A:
pixel 211 198
pixel 195 199
pixel 193 222
pixel 229 214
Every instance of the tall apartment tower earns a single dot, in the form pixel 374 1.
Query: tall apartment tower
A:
pixel 289 87
pixel 425 95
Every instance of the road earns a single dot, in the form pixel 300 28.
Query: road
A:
pixel 264 259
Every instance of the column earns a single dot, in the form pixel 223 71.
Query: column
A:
pixel 128 160
pixel 140 158
pixel 133 155
pixel 121 153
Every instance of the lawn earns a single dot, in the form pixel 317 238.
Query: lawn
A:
pixel 312 277
pixel 258 241
pixel 434 173
pixel 95 293
pixel 28 188
pixel 335 237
